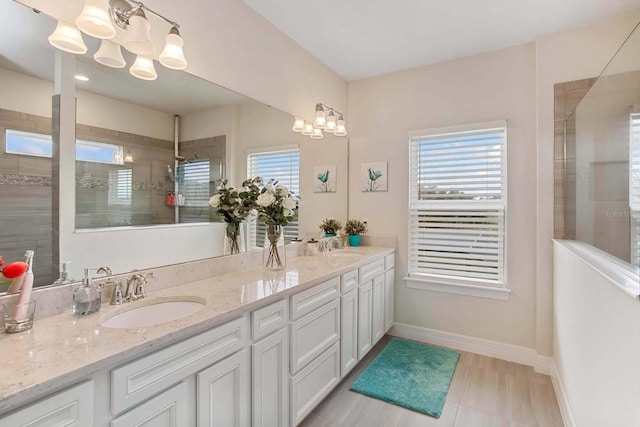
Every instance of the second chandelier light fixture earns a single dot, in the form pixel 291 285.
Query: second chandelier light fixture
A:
pixel 328 119
pixel 97 20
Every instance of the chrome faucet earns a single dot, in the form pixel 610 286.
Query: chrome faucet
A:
pixel 139 281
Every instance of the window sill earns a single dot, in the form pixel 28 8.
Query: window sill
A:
pixel 458 287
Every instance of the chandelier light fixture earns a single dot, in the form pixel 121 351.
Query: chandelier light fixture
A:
pixel 99 19
pixel 328 119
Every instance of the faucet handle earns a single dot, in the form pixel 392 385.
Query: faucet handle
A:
pixel 117 298
pixel 106 270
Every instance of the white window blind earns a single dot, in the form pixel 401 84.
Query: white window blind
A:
pixel 634 188
pixel 282 165
pixel 457 204
pixel 194 185
pixel 120 183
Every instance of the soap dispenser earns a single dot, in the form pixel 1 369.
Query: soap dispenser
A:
pixel 87 298
pixel 64 274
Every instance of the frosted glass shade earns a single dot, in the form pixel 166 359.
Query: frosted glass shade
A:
pixel 110 54
pixel 298 125
pixel 143 68
pixel 331 122
pixel 172 55
pixel 68 38
pixel 321 120
pixel 317 134
pixel 138 39
pixel 308 129
pixel 341 130
pixel 94 19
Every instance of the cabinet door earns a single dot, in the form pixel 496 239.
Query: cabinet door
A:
pixel 223 393
pixel 364 319
pixel 269 382
pixel 168 409
pixel 389 295
pixel 377 310
pixel 348 332
pixel 72 407
pixel 314 382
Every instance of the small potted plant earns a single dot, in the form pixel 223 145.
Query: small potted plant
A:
pixel 330 226
pixel 354 228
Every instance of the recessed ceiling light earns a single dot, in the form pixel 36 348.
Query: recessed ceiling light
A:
pixel 82 78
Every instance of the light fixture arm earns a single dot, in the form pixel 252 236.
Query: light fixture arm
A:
pixel 122 10
pixel 327 108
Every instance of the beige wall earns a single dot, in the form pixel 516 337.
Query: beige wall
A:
pixel 382 110
pixel 27 94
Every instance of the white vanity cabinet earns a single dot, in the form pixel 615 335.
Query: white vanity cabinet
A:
pixel 267 368
pixel 377 308
pixel 315 347
pixel 71 407
pixel 270 366
pixel 389 292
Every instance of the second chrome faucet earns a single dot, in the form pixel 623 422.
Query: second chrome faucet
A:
pixel 135 289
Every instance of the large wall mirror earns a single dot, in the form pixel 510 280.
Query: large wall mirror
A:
pixel 149 154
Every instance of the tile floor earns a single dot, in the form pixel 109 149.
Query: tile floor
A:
pixel 484 392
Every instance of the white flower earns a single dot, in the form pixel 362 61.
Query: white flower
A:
pixel 266 199
pixel 288 203
pixel 215 200
pixel 287 212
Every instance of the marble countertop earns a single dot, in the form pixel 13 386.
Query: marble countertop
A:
pixel 63 349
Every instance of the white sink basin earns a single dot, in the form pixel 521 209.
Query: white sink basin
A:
pixel 153 313
pixel 346 254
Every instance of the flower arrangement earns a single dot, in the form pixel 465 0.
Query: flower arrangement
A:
pixel 355 227
pixel 234 206
pixel 276 206
pixel 330 226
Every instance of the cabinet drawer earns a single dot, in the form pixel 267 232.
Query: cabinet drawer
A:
pixel 167 409
pixel 142 378
pixel 269 319
pixel 314 382
pixel 72 407
pixel 307 301
pixel 389 261
pixel 313 334
pixel 349 281
pixel 371 270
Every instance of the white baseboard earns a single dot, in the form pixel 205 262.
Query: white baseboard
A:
pixel 509 352
pixel 561 394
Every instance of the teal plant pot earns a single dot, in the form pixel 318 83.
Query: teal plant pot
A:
pixel 354 239
pixel 329 234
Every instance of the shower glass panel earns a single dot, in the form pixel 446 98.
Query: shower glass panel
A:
pixel 601 136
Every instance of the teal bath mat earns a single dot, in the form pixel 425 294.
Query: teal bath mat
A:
pixel 410 374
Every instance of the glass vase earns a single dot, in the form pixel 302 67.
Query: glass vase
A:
pixel 234 238
pixel 274 255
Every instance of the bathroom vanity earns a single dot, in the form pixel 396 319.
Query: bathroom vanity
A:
pixel 264 350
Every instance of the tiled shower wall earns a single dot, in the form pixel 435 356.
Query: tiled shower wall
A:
pixel 149 186
pixel 214 150
pixel 26 199
pixel 567 96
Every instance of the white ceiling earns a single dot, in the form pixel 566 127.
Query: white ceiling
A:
pixel 363 38
pixel 29 52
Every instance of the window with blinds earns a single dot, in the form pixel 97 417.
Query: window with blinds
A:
pixel 194 185
pixel 457 204
pixel 283 166
pixel 120 183
pixel 634 188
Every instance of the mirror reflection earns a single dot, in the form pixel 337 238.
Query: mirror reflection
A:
pixel 149 154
